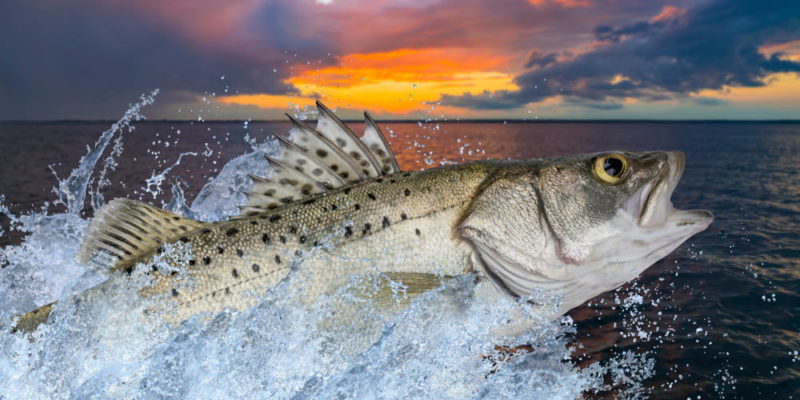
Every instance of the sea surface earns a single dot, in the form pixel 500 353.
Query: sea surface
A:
pixel 718 318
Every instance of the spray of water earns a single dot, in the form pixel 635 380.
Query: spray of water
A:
pixel 101 345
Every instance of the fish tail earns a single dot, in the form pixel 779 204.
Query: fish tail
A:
pixel 125 231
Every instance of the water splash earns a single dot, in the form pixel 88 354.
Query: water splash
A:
pixel 441 346
pixel 72 191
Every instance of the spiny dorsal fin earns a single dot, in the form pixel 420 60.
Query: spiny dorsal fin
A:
pixel 124 231
pixel 325 151
pixel 314 161
pixel 376 143
pixel 337 132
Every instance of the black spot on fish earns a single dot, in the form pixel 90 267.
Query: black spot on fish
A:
pixel 301 161
pixel 417 232
pixel 206 260
pixel 231 231
pixel 192 262
pixel 174 292
pixel 183 228
pixel 379 180
pixel 341 142
pixel 228 290
pixel 265 238
pixel 344 174
pixel 235 273
pixel 367 227
pixel 176 218
pixel 269 192
pixel 386 222
pixel 256 268
pixel 357 207
pixel 239 253
pixel 159 250
pixel 254 222
pixel 335 167
pixel 220 250
pixel 403 216
pixel 407 192
pixel 275 218
pixel 371 196
pixel 129 270
pixel 317 171
pixel 277 259
pixel 287 199
pixel 282 238
pixel 272 206
pixel 184 239
pixel 306 189
pixel 348 231
pixel 292 229
pixel 392 181
pixel 356 155
pixel 347 190
pixel 333 207
pixel 302 239
pixel 298 253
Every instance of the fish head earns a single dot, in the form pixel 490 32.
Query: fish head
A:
pixel 581 225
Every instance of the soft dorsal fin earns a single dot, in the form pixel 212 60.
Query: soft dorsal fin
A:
pixel 314 161
pixel 124 231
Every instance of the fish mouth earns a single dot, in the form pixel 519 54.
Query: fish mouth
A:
pixel 655 199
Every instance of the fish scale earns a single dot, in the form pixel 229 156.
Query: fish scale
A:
pixel 398 223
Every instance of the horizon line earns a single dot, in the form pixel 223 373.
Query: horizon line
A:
pixel 450 121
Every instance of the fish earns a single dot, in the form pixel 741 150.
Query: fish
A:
pixel 334 206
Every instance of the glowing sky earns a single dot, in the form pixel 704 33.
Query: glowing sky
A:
pixel 675 59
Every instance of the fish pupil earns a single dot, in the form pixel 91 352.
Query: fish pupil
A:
pixel 613 166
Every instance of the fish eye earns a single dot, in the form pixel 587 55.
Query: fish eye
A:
pixel 610 168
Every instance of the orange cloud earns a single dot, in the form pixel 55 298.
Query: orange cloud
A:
pixel 562 3
pixel 395 82
pixel 669 13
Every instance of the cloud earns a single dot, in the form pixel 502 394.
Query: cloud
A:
pixel 84 60
pixel 677 53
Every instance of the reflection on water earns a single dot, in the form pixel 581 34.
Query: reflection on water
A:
pixel 718 317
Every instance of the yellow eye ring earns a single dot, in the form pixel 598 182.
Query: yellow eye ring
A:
pixel 610 169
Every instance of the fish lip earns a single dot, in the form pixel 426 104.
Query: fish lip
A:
pixel 656 205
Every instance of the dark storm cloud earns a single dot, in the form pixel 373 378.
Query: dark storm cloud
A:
pixel 536 59
pixel 81 60
pixel 709 47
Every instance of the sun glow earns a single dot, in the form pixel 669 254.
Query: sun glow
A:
pixel 394 82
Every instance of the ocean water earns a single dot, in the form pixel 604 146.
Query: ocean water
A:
pixel 718 318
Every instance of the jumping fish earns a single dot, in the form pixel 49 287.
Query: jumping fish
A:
pixel 340 206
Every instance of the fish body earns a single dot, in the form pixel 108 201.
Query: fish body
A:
pixel 337 208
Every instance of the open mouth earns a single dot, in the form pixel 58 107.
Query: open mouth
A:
pixel 655 199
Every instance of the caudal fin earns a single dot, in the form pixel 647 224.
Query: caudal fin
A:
pixel 124 231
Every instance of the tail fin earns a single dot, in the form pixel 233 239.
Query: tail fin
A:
pixel 124 231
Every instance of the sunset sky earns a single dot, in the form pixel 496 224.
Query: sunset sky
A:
pixel 440 59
